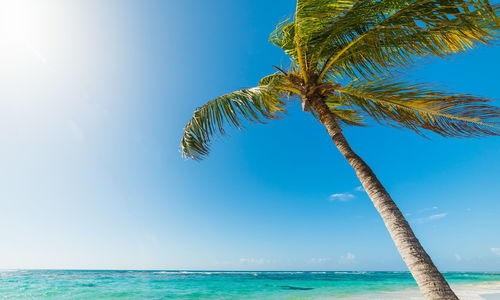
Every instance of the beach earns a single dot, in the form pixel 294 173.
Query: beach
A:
pixel 155 284
pixel 475 291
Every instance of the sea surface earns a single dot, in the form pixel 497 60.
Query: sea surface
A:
pixel 78 284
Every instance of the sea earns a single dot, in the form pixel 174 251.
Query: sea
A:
pixel 99 284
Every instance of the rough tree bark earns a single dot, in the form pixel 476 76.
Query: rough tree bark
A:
pixel 430 281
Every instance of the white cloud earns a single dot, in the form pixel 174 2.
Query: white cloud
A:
pixel 341 197
pixel 437 216
pixel 496 251
pixel 347 195
pixel 347 259
pixel 320 260
pixel 428 208
pixel 359 189
pixel 458 257
pixel 252 261
pixel 256 261
pixel 432 218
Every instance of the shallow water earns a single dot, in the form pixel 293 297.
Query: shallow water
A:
pixel 59 284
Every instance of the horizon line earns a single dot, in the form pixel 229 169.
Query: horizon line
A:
pixel 207 270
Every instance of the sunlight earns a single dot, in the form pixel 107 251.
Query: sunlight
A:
pixel 24 19
pixel 28 32
pixel 27 27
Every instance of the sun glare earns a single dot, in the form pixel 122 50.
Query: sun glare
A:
pixel 28 36
pixel 19 19
pixel 27 28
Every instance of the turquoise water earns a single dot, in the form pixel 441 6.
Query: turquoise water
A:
pixel 65 284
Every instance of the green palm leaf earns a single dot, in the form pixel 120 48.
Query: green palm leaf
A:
pixel 275 79
pixel 375 37
pixel 253 104
pixel 345 114
pixel 419 106
pixel 368 37
pixel 283 37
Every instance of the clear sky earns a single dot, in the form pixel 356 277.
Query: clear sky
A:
pixel 94 96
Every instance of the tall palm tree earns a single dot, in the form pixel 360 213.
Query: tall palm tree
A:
pixel 345 57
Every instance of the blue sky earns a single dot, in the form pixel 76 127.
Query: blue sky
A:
pixel 93 100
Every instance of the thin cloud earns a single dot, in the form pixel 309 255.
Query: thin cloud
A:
pixel 496 251
pixel 437 216
pixel 320 260
pixel 347 259
pixel 255 261
pixel 341 197
pixel 347 195
pixel 458 257
pixel 432 218
pixel 359 189
pixel 428 209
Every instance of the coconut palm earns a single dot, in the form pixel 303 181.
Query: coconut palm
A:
pixel 346 61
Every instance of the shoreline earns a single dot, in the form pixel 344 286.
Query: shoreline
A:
pixel 468 291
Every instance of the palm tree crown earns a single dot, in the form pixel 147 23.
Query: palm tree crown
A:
pixel 347 53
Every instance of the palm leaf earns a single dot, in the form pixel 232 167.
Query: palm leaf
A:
pixel 376 36
pixel 272 80
pixel 253 104
pixel 345 114
pixel 420 106
pixel 283 37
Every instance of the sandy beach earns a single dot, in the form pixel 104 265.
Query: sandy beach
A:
pixel 475 291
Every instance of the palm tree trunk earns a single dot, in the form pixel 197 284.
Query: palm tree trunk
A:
pixel 430 281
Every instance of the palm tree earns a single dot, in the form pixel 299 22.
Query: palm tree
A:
pixel 346 60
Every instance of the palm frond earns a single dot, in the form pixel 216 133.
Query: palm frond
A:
pixel 253 104
pixel 293 35
pixel 345 114
pixel 283 37
pixel 376 36
pixel 312 17
pixel 272 80
pixel 281 83
pixel 420 106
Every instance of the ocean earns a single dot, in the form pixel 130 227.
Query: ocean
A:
pixel 82 284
